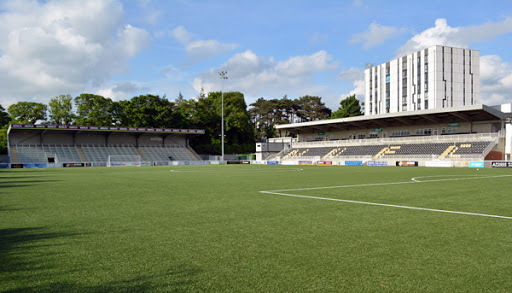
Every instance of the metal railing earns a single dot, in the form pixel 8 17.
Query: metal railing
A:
pixel 408 139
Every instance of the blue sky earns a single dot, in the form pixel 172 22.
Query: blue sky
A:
pixel 121 49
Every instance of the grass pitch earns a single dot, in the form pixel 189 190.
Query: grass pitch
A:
pixel 209 229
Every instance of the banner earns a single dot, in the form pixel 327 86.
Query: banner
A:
pixel 353 163
pixel 305 162
pixel 501 164
pixel 324 162
pixel 272 162
pixel 16 166
pixel 377 164
pixel 30 165
pixel 77 164
pixel 446 164
pixel 407 163
pixel 476 164
pixel 245 162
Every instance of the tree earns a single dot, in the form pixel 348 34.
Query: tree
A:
pixel 148 111
pixel 3 139
pixel 238 130
pixel 27 112
pixel 311 108
pixel 61 110
pixel 4 117
pixel 95 110
pixel 349 107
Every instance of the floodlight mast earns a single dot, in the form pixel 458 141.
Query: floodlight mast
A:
pixel 222 76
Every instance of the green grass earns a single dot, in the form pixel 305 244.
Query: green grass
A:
pixel 208 229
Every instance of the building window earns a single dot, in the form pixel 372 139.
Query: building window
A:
pixel 419 76
pixel 400 133
pixel 426 73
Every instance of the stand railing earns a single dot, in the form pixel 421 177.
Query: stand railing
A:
pixel 409 139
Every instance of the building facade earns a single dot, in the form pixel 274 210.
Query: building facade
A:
pixel 434 78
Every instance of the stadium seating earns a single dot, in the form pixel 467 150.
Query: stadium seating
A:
pixel 168 153
pixel 98 154
pixel 40 154
pixel 435 150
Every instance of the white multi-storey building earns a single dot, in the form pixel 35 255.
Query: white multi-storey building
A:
pixel 433 78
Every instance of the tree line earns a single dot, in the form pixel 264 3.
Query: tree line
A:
pixel 242 125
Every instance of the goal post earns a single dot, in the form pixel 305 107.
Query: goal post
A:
pixel 124 160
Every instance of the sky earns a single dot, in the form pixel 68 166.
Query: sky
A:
pixel 124 48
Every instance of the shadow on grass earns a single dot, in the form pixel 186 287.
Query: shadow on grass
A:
pixel 22 183
pixel 20 256
pixel 179 279
pixel 17 243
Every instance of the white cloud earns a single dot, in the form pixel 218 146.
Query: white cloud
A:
pixel 357 3
pixel 258 76
pixel 495 80
pixel 59 47
pixel 356 76
pixel 376 35
pixel 200 49
pixel 443 34
pixel 122 91
pixel 352 74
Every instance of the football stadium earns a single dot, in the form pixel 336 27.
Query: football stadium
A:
pixel 412 196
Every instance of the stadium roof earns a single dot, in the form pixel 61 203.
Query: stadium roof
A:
pixel 473 113
pixel 103 129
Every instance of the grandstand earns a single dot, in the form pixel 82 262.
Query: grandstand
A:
pixel 466 133
pixel 90 145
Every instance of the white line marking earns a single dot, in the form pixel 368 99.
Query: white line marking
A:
pixel 240 170
pixel 414 180
pixel 471 177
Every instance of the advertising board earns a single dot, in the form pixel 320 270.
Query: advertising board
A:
pixel 377 163
pixel 446 164
pixel 67 165
pixel 476 164
pixel 305 162
pixel 32 165
pixel 501 164
pixel 353 163
pixel 406 163
pixel 324 162
pixel 272 162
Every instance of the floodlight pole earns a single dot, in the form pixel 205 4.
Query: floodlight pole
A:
pixel 222 76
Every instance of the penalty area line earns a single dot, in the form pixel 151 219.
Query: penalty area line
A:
pixel 414 180
pixel 387 205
